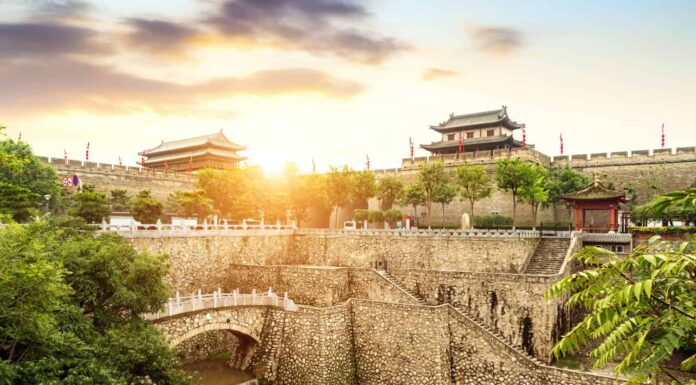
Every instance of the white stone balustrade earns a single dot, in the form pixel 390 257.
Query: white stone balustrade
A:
pixel 218 299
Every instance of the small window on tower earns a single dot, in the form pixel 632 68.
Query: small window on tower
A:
pixel 469 135
pixel 450 137
pixel 490 132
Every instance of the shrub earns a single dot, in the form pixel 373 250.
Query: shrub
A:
pixel 360 215
pixel 484 221
pixel 375 216
pixel 664 230
pixel 392 216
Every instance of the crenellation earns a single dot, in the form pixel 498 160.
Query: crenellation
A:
pixel 686 150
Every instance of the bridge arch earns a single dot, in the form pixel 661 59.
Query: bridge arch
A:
pixel 235 328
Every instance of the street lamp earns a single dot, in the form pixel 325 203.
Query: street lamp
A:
pixel 48 198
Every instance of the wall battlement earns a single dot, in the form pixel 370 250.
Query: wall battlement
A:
pixel 84 166
pixel 635 157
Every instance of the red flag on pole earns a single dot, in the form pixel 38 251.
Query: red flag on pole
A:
pixel 120 162
pixel 65 157
pixel 561 137
pixel 87 152
pixel 410 145
pixel 524 135
pixel 663 135
pixel 142 161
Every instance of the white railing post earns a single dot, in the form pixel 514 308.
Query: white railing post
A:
pixel 103 225
pixel 277 224
pixel 132 227
pixel 253 295
pixel 234 298
pixel 169 306
pixel 205 225
pixel 285 301
pixel 215 299
pixel 159 226
pixel 244 224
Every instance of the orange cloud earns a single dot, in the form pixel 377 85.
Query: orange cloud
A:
pixel 431 74
pixel 496 41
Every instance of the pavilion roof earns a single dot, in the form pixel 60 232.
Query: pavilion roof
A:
pixel 468 143
pixel 477 120
pixel 194 154
pixel 217 139
pixel 595 191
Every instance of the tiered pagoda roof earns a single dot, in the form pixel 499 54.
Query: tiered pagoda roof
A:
pixel 483 119
pixel 484 142
pixel 207 151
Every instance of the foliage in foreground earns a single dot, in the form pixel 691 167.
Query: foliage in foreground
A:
pixel 641 308
pixel 70 306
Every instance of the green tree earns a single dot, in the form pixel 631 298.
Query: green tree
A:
pixel 71 304
pixel 535 193
pixel 19 167
pixel 338 187
pixel 431 176
pixel 564 180
pixel 392 216
pixel 413 196
pixel 307 191
pixel 17 202
pixel 362 187
pixel 145 208
pixel 190 203
pixel 444 194
pixel 640 308
pixel 375 216
pixel 235 192
pixel 389 189
pixel 513 175
pixel 360 215
pixel 119 200
pixel 90 205
pixel 474 183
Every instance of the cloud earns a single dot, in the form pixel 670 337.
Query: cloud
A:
pixel 316 26
pixel 496 41
pixel 66 85
pixel 61 9
pixel 160 37
pixel 431 74
pixel 38 40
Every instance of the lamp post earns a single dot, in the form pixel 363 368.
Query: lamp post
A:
pixel 47 197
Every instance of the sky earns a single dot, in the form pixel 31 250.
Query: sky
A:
pixel 336 81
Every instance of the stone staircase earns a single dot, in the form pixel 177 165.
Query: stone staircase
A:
pixel 548 256
pixel 475 320
pixel 396 283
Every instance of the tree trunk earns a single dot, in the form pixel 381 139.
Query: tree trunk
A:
pixel 514 211
pixel 443 215
pixel 336 215
pixel 430 217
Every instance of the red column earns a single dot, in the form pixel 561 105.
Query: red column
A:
pixel 613 217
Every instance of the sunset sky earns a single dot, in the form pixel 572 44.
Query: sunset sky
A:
pixel 335 80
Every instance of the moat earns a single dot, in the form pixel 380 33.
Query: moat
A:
pixel 216 372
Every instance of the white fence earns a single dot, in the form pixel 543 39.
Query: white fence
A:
pixel 159 229
pixel 218 299
pixel 425 232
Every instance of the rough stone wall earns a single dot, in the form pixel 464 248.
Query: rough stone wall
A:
pixel 512 304
pixel 400 344
pixel 108 177
pixel 309 285
pixel 317 348
pixel 207 345
pixel 202 262
pixel 480 359
pixel 416 252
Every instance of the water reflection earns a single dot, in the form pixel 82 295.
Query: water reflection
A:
pixel 216 372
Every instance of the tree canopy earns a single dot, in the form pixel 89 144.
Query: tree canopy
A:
pixel 389 189
pixel 190 204
pixel 119 200
pixel 414 196
pixel 513 175
pixel 431 176
pixel 362 187
pixel 536 192
pixel 90 205
pixel 641 308
pixel 25 181
pixel 70 307
pixel 474 183
pixel 146 208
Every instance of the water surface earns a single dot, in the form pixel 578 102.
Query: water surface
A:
pixel 216 372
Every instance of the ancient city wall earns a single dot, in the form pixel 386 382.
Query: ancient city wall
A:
pixel 512 304
pixel 501 254
pixel 315 285
pixel 202 262
pixel 107 177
